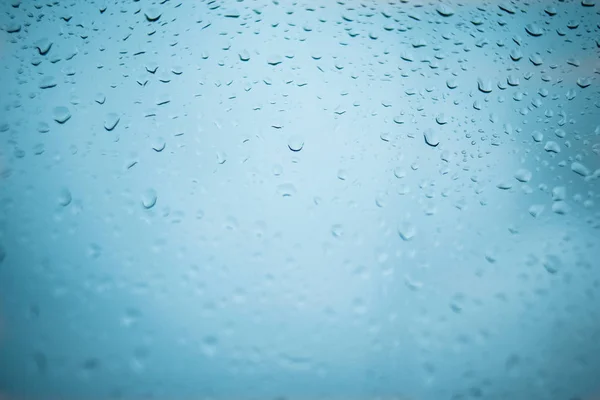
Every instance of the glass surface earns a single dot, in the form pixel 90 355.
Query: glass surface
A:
pixel 300 200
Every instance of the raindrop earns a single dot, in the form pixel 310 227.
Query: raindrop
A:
pixel 47 82
pixel 149 198
pixel 244 55
pixel 431 138
pixel 152 14
pixel 286 190
pixel 534 30
pixel 445 10
pixel 552 263
pixel 406 231
pixel 275 60
pixel 61 114
pixel 64 197
pixel 484 86
pixel 552 147
pixel 295 143
pixel 536 209
pixel 523 175
pixel 537 136
pixel 580 169
pixel 221 157
pixel 110 121
pixel 584 82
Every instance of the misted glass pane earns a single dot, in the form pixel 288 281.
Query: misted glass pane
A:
pixel 270 199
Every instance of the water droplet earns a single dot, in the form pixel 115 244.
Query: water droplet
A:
pixel 159 144
pixel 523 175
pixel 110 121
pixel 221 157
pixel 244 55
pixel 399 172
pixel 61 114
pixel 431 137
pixel 584 82
pixel 406 231
pixel 64 197
pixel 152 14
pixel 580 169
pixel 534 30
pixel 552 147
pixel 275 59
pixel 536 60
pixel 412 284
pixel 47 82
pixel 149 198
pixel 295 143
pixel 337 231
pixel 43 46
pixel 441 119
pixel 445 10
pixel 559 193
pixel 484 86
pixel 286 190
pixel 560 207
pixel 536 209
pixel 552 263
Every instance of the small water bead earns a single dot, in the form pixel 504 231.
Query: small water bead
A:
pixel 286 190
pixel 152 14
pixel 399 172
pixel 484 86
pixel 441 119
pixel 149 198
pixel 110 121
pixel 536 210
pixel 580 169
pixel 523 175
pixel 244 55
pixel 221 157
pixel 47 82
pixel 274 60
pixel 516 55
pixel 561 207
pixel 552 147
pixel 406 231
pixel 559 193
pixel 431 138
pixel 64 197
pixel 296 143
pixel 504 185
pixel 534 30
pixel 446 11
pixel 536 60
pixel 61 114
pixel 552 263
pixel 584 82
